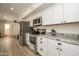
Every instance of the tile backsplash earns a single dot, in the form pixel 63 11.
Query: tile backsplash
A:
pixel 65 35
pixel 65 28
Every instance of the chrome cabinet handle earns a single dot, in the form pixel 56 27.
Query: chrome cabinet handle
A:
pixel 57 39
pixel 41 42
pixel 57 48
pixel 59 43
pixel 60 49
pixel 41 49
pixel 41 38
pixel 61 21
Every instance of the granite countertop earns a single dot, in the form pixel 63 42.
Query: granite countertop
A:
pixel 68 38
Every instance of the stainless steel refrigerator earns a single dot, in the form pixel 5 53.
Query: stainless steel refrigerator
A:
pixel 24 28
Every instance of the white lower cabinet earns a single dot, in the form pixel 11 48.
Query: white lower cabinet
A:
pixel 27 38
pixel 51 47
pixel 56 48
pixel 69 49
pixel 52 51
pixel 42 46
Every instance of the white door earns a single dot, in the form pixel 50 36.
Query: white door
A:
pixel 14 29
pixel 53 48
pixel 71 12
pixel 7 30
pixel 69 50
pixel 57 9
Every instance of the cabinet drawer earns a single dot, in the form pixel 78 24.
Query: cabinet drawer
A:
pixel 39 38
pixel 54 42
pixel 69 49
pixel 70 46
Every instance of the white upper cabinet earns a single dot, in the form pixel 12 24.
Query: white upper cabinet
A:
pixel 57 9
pixel 71 12
pixel 53 14
pixel 47 16
pixel 58 13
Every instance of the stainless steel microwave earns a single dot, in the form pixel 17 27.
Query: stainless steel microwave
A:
pixel 37 21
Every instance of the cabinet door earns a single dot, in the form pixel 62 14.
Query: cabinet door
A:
pixel 27 38
pixel 69 50
pixel 42 46
pixel 53 48
pixel 31 23
pixel 47 16
pixel 57 9
pixel 39 45
pixel 71 12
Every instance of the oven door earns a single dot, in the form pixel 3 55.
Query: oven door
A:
pixel 32 40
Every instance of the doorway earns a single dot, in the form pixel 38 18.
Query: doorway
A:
pixel 7 30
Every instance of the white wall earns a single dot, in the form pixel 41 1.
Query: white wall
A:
pixel 2 28
pixel 14 28
pixel 65 28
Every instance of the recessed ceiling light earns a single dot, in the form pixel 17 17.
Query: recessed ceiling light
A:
pixel 5 17
pixel 12 8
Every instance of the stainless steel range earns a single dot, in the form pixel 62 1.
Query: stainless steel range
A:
pixel 32 42
pixel 33 39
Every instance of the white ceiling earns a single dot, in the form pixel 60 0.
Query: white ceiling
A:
pixel 19 8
